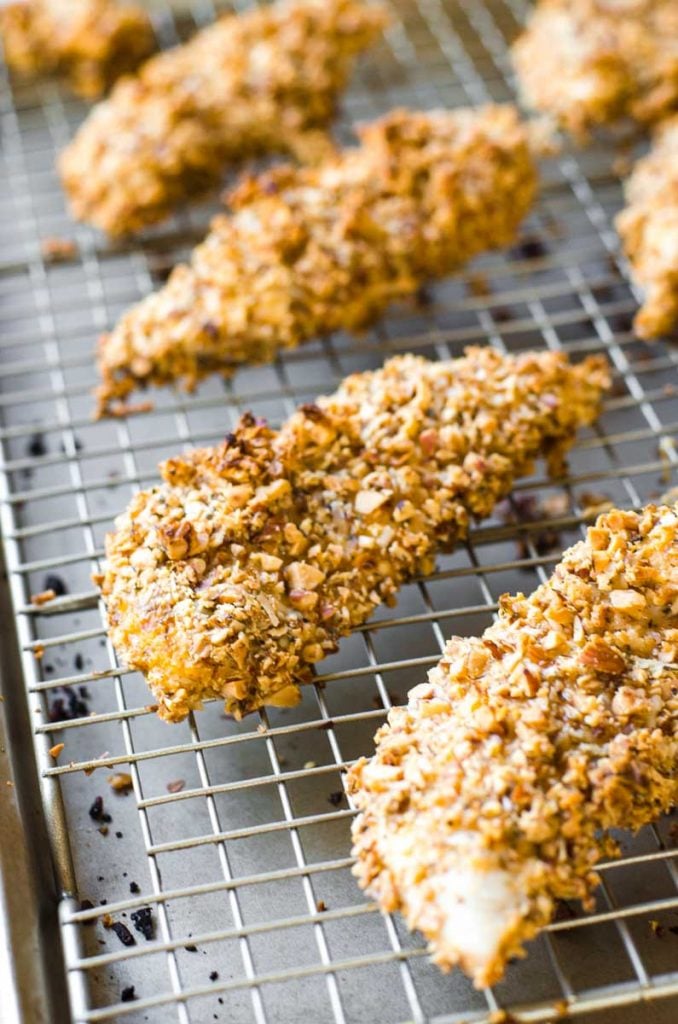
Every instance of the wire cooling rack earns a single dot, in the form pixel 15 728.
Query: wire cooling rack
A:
pixel 236 835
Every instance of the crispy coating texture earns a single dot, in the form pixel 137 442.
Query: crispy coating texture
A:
pixel 529 743
pixel 312 250
pixel 592 62
pixel 90 43
pixel 649 230
pixel 265 81
pixel 252 559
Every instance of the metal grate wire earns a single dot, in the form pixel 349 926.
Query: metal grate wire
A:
pixel 245 859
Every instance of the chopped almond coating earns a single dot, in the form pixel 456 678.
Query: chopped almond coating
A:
pixel 255 83
pixel 312 250
pixel 253 558
pixel 649 230
pixel 491 793
pixel 592 62
pixel 88 42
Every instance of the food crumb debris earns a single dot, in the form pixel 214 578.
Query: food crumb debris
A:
pixel 38 652
pixel 87 905
pixel 320 906
pixel 43 597
pixel 478 285
pixel 336 797
pixel 120 782
pixel 309 764
pixel 214 975
pixel 142 919
pixel 123 933
pixel 55 583
pixel 96 811
pixel 128 994
pixel 103 830
pixel 56 750
pixel 58 250
pixel 176 785
pixel 530 248
pixel 68 707
pixel 657 928
pixel 594 503
pixel 36 448
pixel 529 509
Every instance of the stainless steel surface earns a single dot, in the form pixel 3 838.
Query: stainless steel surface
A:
pixel 250 861
pixel 31 990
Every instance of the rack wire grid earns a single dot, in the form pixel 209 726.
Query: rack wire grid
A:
pixel 236 835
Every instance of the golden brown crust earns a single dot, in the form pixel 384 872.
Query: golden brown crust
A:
pixel 312 250
pixel 592 62
pixel 260 82
pixel 649 230
pixel 558 724
pixel 90 43
pixel 252 559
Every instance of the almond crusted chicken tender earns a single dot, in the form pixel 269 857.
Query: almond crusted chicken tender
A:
pixel 260 82
pixel 312 250
pixel 252 559
pixel 90 43
pixel 588 63
pixel 649 230
pixel 491 793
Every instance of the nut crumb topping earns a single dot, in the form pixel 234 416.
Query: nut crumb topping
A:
pixel 306 251
pixel 250 561
pixel 529 743
pixel 588 63
pixel 250 84
pixel 90 43
pixel 649 230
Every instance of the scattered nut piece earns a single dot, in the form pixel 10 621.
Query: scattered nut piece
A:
pixel 121 782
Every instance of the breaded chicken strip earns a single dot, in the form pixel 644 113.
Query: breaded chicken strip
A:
pixel 592 62
pixel 309 251
pixel 90 43
pixel 251 559
pixel 491 793
pixel 649 230
pixel 261 82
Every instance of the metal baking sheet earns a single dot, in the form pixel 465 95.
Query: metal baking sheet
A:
pixel 246 868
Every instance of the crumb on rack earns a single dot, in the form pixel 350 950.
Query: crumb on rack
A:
pixel 58 250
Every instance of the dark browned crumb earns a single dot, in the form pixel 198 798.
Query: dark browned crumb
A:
pixel 142 919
